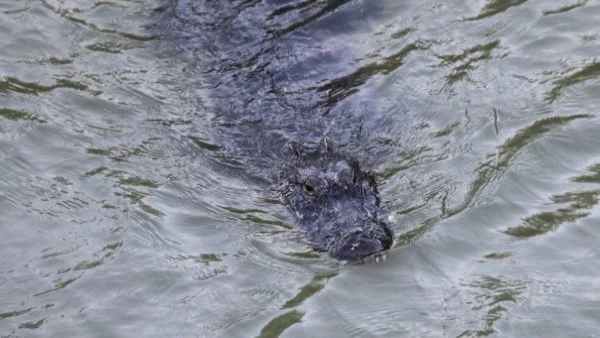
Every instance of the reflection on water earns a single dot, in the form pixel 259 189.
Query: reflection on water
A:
pixel 466 61
pixel 309 10
pixel 590 71
pixel 565 8
pixel 139 140
pixel 579 204
pixel 495 7
pixel 491 170
pixel 280 323
pixel 491 299
pixel 340 88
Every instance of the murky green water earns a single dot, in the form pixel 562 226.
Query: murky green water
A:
pixel 123 216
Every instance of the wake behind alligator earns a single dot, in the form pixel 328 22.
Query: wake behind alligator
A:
pixel 274 113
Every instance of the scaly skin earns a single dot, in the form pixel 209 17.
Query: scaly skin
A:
pixel 336 204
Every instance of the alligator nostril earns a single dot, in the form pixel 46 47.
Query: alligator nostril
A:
pixel 386 243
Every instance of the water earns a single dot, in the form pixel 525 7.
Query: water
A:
pixel 131 206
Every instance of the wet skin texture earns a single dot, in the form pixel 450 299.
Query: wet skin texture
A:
pixel 336 204
pixel 260 88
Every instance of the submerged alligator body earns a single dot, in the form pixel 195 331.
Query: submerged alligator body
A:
pixel 261 82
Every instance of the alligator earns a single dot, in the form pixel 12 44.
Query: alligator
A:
pixel 334 202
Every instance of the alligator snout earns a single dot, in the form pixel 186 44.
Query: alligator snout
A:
pixel 361 244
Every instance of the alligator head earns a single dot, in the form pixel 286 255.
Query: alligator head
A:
pixel 336 204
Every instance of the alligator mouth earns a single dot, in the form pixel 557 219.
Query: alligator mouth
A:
pixel 360 245
pixel 374 258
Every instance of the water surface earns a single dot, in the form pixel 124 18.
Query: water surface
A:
pixel 137 140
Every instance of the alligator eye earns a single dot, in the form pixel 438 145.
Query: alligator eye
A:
pixel 353 177
pixel 308 188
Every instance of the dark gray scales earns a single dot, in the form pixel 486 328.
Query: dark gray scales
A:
pixel 335 203
pixel 259 85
